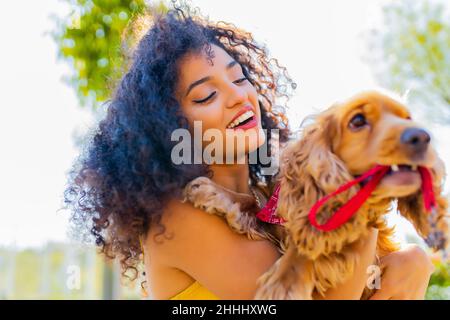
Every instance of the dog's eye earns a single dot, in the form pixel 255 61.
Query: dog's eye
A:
pixel 357 122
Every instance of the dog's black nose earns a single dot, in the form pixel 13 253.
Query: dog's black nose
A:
pixel 415 139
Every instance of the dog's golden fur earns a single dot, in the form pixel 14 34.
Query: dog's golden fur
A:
pixel 327 155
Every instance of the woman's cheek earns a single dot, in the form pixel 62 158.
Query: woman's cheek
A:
pixel 253 94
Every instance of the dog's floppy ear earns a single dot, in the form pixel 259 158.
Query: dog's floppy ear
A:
pixel 309 171
pixel 322 164
pixel 412 207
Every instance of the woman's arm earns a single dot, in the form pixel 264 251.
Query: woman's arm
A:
pixel 406 275
pixel 228 264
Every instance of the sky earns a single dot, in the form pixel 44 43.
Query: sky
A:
pixel 320 42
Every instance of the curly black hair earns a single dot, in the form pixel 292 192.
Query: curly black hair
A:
pixel 118 187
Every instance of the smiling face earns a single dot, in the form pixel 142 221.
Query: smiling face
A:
pixel 376 129
pixel 217 93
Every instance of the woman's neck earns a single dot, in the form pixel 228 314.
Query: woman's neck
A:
pixel 234 177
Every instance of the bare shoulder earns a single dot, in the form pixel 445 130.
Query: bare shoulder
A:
pixel 204 246
pixel 189 229
pixel 182 221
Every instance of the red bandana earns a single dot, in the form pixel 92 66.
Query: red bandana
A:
pixel 267 214
pixel 344 213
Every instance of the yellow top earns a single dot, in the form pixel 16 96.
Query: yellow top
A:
pixel 195 292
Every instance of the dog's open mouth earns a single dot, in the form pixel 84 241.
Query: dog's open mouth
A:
pixel 396 168
pixel 402 175
pixel 399 174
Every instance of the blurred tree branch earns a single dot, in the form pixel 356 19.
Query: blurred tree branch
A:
pixel 410 51
pixel 96 38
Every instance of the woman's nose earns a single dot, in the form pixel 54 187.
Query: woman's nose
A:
pixel 236 95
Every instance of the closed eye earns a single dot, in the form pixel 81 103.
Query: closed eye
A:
pixel 238 81
pixel 205 99
pixel 241 80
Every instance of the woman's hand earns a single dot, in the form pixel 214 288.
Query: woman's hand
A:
pixel 406 274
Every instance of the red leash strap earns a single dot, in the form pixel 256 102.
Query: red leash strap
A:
pixel 436 238
pixel 351 207
pixel 429 199
pixel 344 213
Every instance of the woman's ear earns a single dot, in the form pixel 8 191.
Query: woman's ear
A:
pixel 309 171
pixel 413 209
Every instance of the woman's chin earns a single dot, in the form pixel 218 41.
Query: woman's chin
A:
pixel 257 141
pixel 248 141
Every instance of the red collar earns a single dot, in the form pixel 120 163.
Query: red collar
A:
pixel 344 213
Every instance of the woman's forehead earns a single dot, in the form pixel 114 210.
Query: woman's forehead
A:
pixel 199 64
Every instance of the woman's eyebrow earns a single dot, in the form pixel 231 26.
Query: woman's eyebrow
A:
pixel 232 64
pixel 196 83
pixel 202 80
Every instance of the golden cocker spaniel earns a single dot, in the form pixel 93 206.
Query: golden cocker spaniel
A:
pixel 341 144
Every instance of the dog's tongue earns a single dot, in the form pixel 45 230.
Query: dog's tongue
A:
pixel 374 175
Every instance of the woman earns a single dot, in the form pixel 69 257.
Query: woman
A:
pixel 127 189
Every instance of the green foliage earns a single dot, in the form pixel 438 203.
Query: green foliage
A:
pixel 439 286
pixel 96 38
pixel 441 276
pixel 411 52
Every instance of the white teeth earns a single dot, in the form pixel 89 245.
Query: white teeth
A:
pixel 241 118
pixel 396 168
